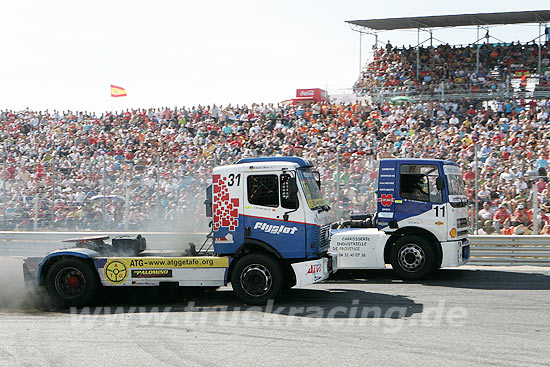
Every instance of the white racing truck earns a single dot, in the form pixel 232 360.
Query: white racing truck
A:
pixel 421 222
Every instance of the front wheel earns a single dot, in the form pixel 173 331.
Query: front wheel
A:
pixel 412 258
pixel 257 278
pixel 71 283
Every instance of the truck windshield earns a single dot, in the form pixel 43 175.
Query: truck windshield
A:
pixel 311 189
pixel 454 180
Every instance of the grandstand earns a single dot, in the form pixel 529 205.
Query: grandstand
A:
pixel 486 69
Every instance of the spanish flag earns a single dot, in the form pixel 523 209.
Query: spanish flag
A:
pixel 117 91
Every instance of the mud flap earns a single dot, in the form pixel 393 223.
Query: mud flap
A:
pixel 313 271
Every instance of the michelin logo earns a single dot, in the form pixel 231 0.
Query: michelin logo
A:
pixel 269 228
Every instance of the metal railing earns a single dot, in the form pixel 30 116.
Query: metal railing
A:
pixel 438 92
pixel 510 250
pixel 542 90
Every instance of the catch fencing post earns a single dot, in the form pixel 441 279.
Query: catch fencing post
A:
pixel 337 183
pixel 158 187
pixel 4 189
pixel 104 221
pixel 35 217
pixel 475 188
pixel 126 204
pixel 535 209
pixel 53 194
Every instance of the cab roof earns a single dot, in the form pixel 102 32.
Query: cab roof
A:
pixel 301 162
pixel 257 166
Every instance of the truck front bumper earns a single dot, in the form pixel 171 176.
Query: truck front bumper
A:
pixel 314 271
pixel 455 253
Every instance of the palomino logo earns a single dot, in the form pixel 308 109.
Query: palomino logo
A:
pixel 269 228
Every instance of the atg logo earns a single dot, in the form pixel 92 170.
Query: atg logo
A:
pixel 269 228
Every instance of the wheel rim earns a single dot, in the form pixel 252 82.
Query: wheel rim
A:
pixel 411 257
pixel 70 283
pixel 256 280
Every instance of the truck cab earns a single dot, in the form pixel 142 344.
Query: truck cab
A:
pixel 273 203
pixel 422 193
pixel 421 221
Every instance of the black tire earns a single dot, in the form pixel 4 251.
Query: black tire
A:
pixel 257 278
pixel 71 283
pixel 412 258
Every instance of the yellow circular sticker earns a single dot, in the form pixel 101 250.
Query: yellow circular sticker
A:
pixel 116 272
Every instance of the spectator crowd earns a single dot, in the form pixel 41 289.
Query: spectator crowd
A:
pixel 148 168
pixel 453 67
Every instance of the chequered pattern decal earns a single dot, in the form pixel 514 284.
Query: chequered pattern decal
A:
pixel 226 209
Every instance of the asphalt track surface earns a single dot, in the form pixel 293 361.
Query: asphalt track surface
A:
pixel 466 316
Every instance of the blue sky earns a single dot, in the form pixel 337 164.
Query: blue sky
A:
pixel 65 54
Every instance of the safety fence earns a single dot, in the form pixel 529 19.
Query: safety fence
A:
pixel 118 193
pixel 112 193
pixel 129 194
pixel 486 250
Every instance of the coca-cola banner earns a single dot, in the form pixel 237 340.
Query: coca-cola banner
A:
pixel 315 93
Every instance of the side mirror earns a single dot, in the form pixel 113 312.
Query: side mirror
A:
pixel 440 183
pixel 317 177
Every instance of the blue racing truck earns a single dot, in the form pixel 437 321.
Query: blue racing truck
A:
pixel 270 231
pixel 421 222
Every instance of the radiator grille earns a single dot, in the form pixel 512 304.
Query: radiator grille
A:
pixel 324 237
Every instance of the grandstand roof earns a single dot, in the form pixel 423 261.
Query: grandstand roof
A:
pixel 437 21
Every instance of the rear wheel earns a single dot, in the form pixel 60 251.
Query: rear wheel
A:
pixel 412 258
pixel 256 278
pixel 71 283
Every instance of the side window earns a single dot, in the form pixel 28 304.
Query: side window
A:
pixel 263 190
pixel 287 200
pixel 418 182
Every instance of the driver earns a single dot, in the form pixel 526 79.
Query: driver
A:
pixel 415 187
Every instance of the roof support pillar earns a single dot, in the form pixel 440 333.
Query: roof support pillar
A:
pixel 360 53
pixel 477 52
pixel 541 34
pixel 418 54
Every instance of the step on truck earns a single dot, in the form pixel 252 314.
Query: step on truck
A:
pixel 421 222
pixel 270 232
